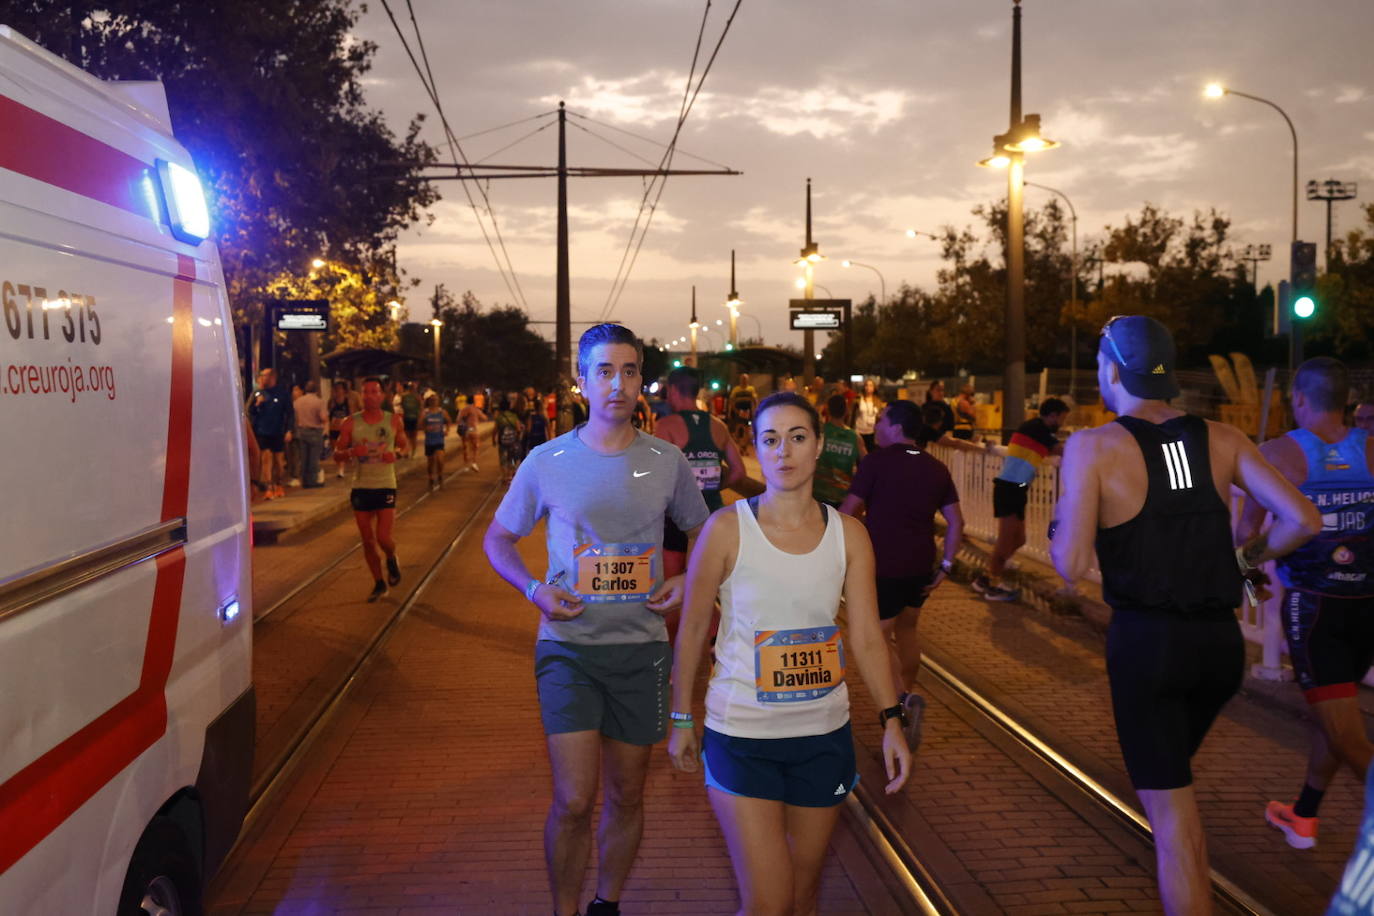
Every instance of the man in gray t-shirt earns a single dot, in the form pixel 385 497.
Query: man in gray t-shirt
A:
pixel 604 529
pixel 602 656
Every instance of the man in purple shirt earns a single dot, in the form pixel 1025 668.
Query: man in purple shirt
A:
pixel 898 488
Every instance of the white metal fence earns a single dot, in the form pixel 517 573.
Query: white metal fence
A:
pixel 973 471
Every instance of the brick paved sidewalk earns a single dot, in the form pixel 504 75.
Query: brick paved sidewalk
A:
pixel 1048 672
pixel 429 793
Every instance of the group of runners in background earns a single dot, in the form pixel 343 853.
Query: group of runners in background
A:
pixel 846 520
pixel 643 549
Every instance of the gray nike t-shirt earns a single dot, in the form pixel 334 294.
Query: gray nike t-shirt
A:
pixel 605 529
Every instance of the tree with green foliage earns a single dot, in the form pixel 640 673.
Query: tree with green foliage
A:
pixel 493 347
pixel 267 97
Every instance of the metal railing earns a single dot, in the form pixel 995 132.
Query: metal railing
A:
pixel 973 471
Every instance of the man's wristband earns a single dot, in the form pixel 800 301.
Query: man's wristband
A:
pixel 947 565
pixel 682 719
pixel 531 589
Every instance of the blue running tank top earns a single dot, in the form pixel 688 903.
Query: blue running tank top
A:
pixel 1340 561
pixel 434 427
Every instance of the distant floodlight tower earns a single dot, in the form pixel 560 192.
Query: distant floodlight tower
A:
pixel 1330 190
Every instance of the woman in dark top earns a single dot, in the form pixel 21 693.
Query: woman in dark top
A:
pixel 935 394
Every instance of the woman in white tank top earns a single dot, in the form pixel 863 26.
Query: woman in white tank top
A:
pixel 777 750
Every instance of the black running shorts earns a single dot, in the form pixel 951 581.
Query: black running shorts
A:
pixel 433 449
pixel 271 442
pixel 897 592
pixel 372 500
pixel 1170 675
pixel 1331 642
pixel 1009 499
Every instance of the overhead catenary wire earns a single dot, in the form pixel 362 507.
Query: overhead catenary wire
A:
pixel 507 269
pixel 492 130
pixel 664 162
pixel 516 142
pixel 642 138
pixel 491 213
pixel 611 143
pixel 668 156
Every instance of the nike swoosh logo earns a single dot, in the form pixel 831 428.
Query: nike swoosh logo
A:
pixel 642 473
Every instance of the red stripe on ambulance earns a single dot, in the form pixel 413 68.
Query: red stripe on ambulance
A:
pixel 37 799
pixel 50 151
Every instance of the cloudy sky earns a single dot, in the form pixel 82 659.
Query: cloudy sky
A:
pixel 887 105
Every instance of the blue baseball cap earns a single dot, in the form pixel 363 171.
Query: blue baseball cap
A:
pixel 1143 349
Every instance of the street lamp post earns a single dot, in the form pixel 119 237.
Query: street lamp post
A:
pixel 808 285
pixel 1217 90
pixel 882 283
pixel 733 303
pixel 438 327
pixel 695 326
pixel 1008 152
pixel 1073 288
pixel 810 254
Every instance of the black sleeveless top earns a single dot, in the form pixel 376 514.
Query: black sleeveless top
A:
pixel 1176 555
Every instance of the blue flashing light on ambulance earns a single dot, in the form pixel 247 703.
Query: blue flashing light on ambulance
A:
pixel 126 733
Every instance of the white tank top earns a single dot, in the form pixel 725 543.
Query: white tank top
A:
pixel 779 659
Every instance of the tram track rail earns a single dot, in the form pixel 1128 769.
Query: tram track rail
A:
pixel 306 583
pixel 918 879
pixel 277 771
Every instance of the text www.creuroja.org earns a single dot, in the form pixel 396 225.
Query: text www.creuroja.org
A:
pixel 64 379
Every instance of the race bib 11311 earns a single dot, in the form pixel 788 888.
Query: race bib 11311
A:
pixel 795 665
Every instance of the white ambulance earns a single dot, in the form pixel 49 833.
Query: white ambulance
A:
pixel 126 707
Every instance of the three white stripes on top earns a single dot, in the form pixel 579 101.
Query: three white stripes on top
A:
pixel 1176 460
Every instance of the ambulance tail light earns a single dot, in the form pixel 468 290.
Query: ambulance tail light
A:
pixel 184 198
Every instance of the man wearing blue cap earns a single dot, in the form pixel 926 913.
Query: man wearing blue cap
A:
pixel 1145 493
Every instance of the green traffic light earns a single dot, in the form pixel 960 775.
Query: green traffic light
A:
pixel 1304 306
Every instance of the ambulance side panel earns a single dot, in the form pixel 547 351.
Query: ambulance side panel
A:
pixel 126 539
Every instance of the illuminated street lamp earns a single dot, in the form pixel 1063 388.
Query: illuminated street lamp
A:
pixel 1217 90
pixel 733 302
pixel 1073 286
pixel 882 283
pixel 395 308
pixel 810 254
pixel 438 326
pixel 1008 151
pixel 808 284
pixel 695 326
pixel 317 263
pixel 912 233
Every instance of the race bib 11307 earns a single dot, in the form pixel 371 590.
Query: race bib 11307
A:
pixel 615 572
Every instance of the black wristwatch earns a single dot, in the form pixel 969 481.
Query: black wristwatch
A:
pixel 892 712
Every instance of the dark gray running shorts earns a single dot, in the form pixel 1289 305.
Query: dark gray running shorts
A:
pixel 619 690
